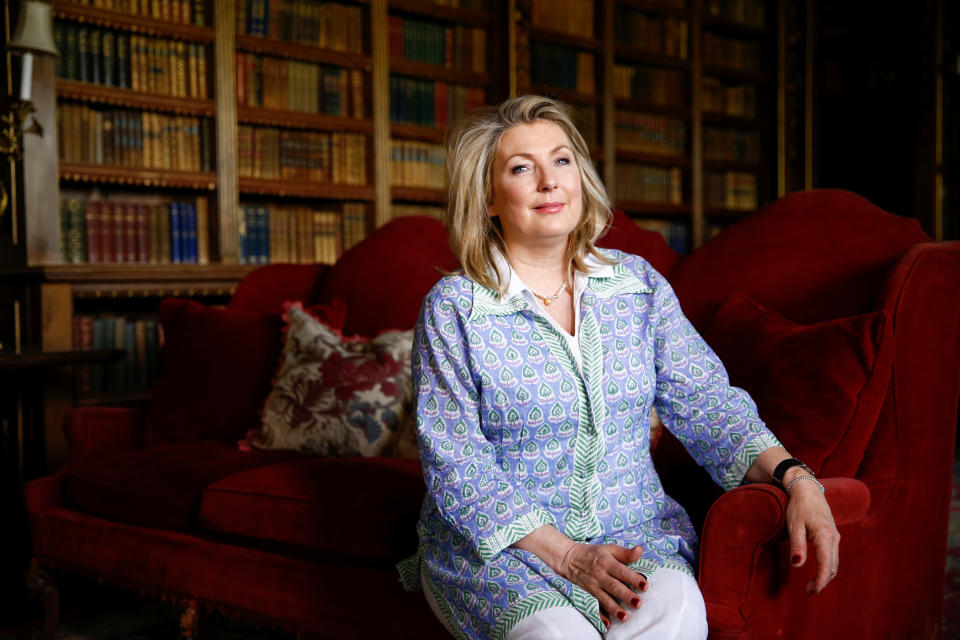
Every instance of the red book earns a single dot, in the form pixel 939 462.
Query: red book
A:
pixel 241 87
pixel 440 104
pixel 396 37
pixel 94 231
pixel 108 244
pixel 142 222
pixel 130 231
pixel 83 341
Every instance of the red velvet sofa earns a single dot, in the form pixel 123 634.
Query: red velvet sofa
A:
pixel 843 320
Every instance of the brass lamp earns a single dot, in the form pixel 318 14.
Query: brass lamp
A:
pixel 34 34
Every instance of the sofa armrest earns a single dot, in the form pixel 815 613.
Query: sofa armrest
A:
pixel 95 432
pixel 738 527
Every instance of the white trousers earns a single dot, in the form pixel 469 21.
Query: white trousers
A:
pixel 671 608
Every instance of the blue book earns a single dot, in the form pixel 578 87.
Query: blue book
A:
pixel 190 233
pixel 263 224
pixel 176 234
pixel 243 232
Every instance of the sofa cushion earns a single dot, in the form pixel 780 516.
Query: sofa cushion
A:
pixel 363 507
pixel 335 396
pixel 625 235
pixel 384 278
pixel 819 387
pixel 216 366
pixel 160 486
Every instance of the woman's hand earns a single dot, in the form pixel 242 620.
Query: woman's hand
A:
pixel 600 569
pixel 809 518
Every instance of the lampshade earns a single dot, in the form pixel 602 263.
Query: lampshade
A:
pixel 34 32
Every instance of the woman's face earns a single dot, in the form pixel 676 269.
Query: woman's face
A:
pixel 536 186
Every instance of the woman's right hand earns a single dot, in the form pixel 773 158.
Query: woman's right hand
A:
pixel 601 569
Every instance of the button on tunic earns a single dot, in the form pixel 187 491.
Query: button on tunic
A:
pixel 514 435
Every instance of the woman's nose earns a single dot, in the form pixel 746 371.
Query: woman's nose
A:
pixel 547 181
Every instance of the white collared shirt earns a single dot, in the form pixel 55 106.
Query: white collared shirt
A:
pixel 516 287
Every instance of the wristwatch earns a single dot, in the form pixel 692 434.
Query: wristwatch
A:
pixel 781 469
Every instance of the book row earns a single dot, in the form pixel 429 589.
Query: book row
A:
pixel 575 17
pixel 430 103
pixel 562 66
pixel 275 83
pixel 451 46
pixel 646 133
pixel 134 232
pixel 585 117
pixel 731 145
pixel 657 86
pixel 318 156
pixel 140 139
pixel 675 233
pixel 653 34
pixel 731 54
pixel 730 190
pixel 129 61
pixel 193 12
pixel 327 25
pixel 417 164
pixel 751 13
pixel 297 234
pixel 139 338
pixel 732 100
pixel 400 210
pixel 637 183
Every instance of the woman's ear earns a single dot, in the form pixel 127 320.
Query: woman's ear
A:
pixel 490 211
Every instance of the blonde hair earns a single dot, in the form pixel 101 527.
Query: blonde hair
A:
pixel 471 151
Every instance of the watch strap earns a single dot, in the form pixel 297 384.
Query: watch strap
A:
pixel 781 469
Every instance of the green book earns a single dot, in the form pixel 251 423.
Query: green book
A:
pixel 123 61
pixel 60 41
pixel 70 66
pixel 109 46
pixel 96 55
pixel 83 54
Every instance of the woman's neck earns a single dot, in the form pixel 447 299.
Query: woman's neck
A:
pixel 542 269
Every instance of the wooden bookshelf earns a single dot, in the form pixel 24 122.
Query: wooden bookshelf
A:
pixel 99 17
pixel 115 175
pixel 128 98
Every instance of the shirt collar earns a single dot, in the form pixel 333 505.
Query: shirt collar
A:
pixel 515 286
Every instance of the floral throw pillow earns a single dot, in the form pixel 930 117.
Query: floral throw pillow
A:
pixel 337 396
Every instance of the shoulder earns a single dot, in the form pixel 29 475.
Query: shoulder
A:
pixel 633 272
pixel 451 295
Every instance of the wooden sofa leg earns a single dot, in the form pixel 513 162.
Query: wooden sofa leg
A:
pixel 190 621
pixel 40 582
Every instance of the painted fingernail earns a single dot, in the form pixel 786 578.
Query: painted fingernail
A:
pixel 606 620
pixel 642 586
pixel 622 616
pixel 796 558
pixel 635 602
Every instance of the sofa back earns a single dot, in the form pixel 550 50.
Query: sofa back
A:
pixel 812 256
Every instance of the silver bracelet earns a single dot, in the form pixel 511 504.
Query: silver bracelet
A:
pixel 799 478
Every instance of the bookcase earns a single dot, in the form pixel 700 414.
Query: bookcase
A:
pixel 677 99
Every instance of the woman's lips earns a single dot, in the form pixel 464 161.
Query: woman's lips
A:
pixel 549 207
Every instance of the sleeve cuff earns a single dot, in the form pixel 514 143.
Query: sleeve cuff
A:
pixel 503 537
pixel 745 457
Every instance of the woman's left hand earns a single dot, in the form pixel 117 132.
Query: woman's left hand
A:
pixel 809 519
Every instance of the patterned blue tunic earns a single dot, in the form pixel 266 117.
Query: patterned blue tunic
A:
pixel 514 435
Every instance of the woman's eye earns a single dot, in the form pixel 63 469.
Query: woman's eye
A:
pixel 518 168
pixel 563 160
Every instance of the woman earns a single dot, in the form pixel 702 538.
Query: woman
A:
pixel 535 372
